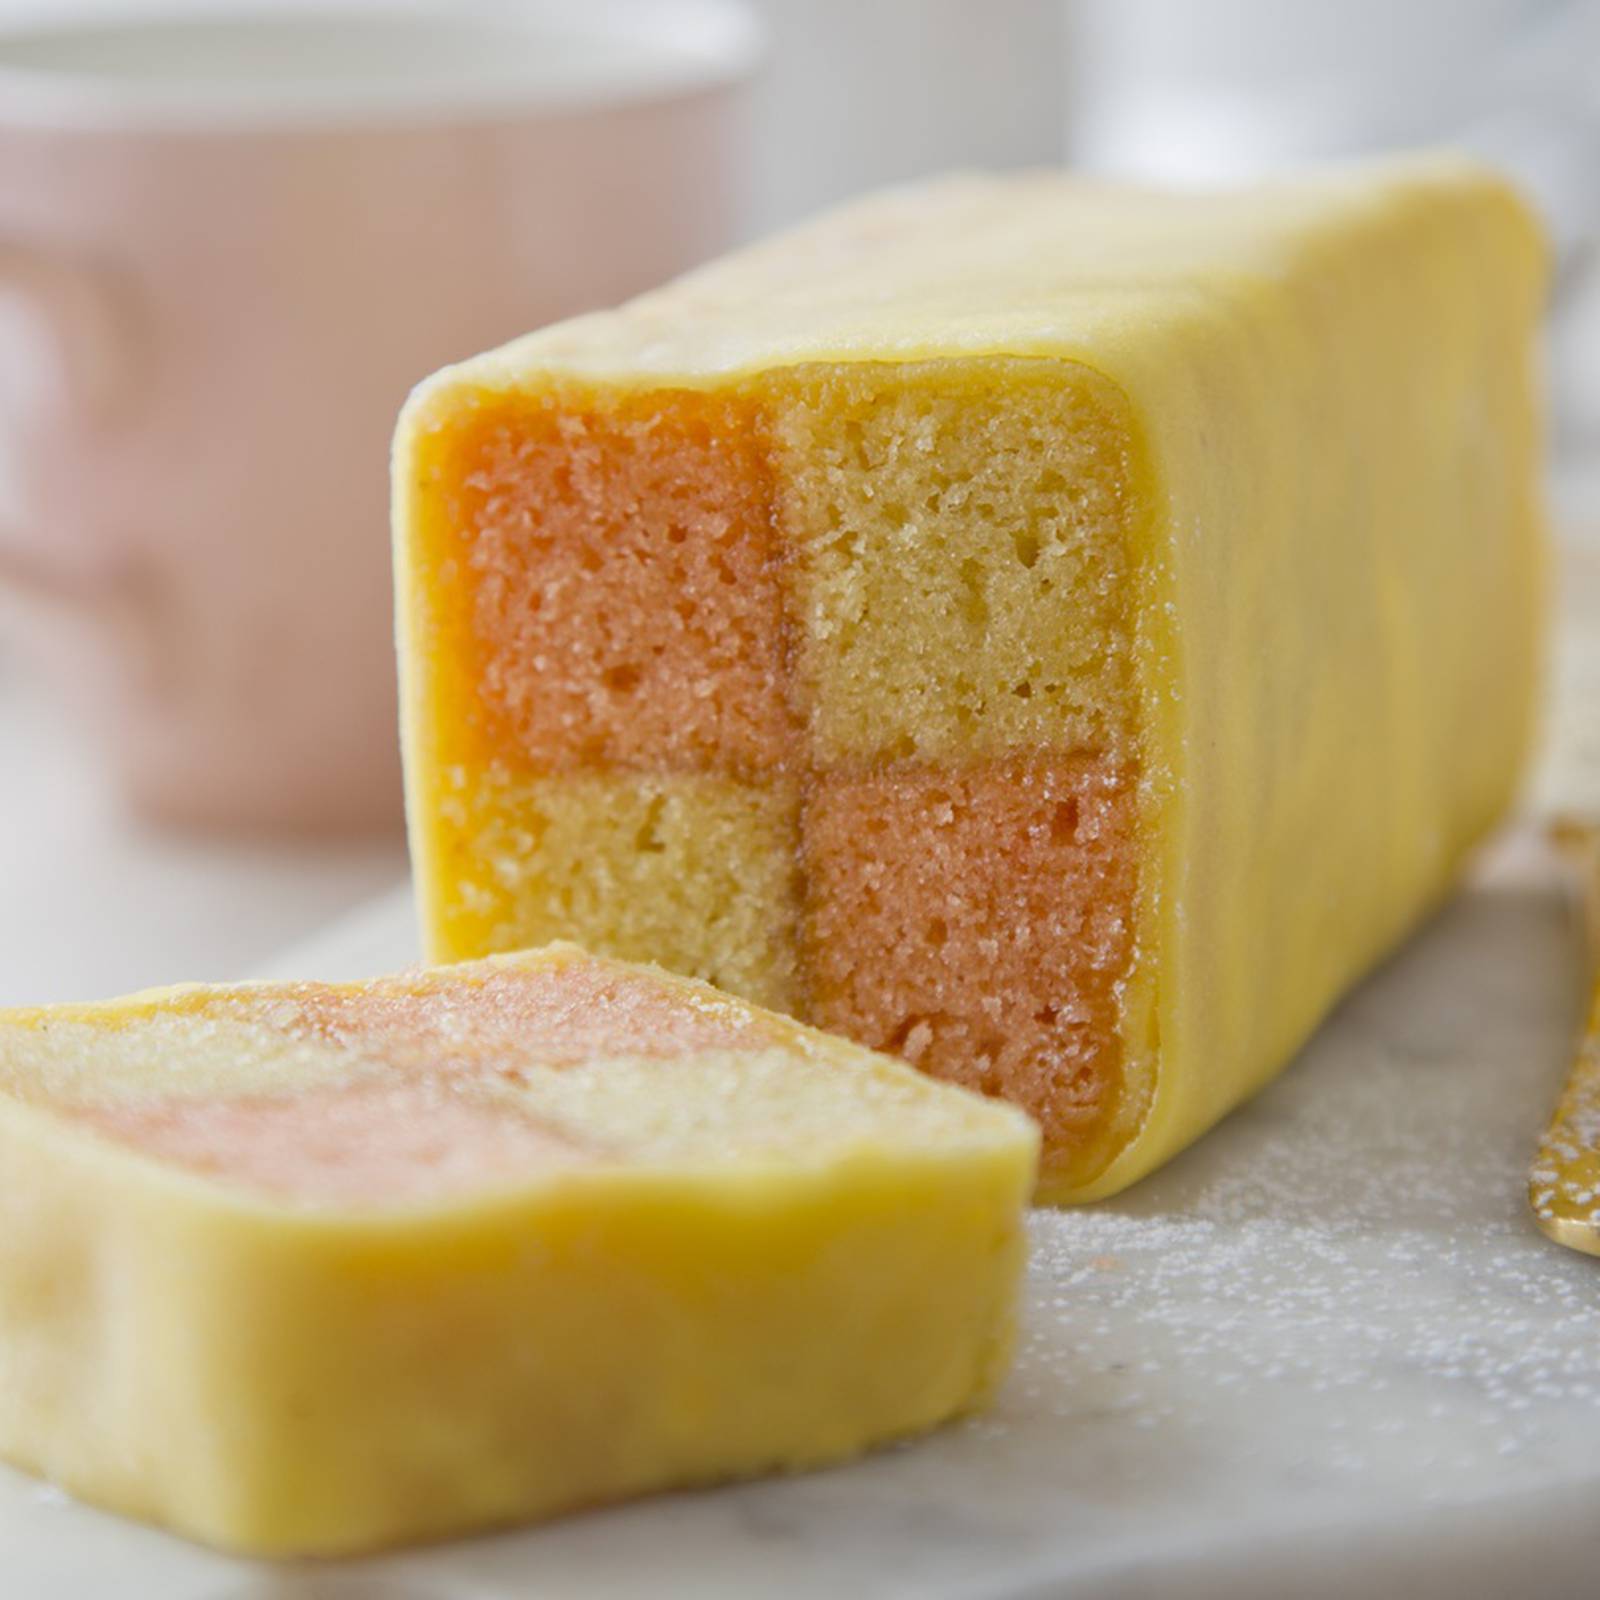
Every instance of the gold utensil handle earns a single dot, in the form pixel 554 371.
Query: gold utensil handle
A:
pixel 1564 1183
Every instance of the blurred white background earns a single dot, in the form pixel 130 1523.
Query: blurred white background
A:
pixel 856 94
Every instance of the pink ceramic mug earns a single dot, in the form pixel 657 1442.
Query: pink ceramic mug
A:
pixel 227 248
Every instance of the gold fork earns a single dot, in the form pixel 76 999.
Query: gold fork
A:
pixel 1564 1183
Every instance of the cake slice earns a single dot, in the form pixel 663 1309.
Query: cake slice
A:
pixel 311 1268
pixel 1060 634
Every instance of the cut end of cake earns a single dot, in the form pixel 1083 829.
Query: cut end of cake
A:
pixel 819 687
pixel 460 1080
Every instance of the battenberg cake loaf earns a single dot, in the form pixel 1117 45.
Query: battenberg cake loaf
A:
pixel 320 1268
pixel 1060 634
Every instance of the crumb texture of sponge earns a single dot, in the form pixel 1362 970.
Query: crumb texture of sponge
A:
pixel 695 871
pixel 959 538
pixel 623 607
pixel 979 923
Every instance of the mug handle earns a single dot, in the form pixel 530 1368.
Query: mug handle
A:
pixel 80 324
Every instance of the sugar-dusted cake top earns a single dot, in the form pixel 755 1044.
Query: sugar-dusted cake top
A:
pixel 489 1074
pixel 1029 263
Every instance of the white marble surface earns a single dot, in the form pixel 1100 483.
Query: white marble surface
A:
pixel 1323 1353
